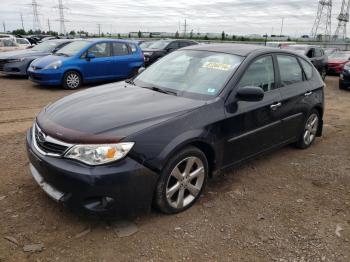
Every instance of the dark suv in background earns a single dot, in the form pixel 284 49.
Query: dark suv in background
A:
pixel 160 48
pixel 316 55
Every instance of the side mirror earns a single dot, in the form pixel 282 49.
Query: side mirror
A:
pixel 89 56
pixel 250 93
pixel 141 69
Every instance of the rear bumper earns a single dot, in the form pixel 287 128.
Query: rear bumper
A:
pixel 45 77
pixel 123 188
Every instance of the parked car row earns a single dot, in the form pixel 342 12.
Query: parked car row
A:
pixel 72 62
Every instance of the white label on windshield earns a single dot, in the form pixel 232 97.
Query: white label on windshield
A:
pixel 217 66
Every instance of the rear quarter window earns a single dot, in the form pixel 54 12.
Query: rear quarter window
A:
pixel 133 48
pixel 308 69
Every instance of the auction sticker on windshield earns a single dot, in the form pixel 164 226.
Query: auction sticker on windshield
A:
pixel 217 66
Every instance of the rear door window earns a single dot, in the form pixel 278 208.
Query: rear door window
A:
pixel 120 49
pixel 290 70
pixel 261 74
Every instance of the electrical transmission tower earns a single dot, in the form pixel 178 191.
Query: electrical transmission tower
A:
pixel 343 19
pixel 323 21
pixel 36 21
pixel 61 8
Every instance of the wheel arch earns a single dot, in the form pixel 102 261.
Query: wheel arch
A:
pixel 320 110
pixel 202 145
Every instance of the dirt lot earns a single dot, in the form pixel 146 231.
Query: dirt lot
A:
pixel 290 205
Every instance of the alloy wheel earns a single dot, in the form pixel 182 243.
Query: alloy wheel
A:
pixel 72 80
pixel 311 129
pixel 185 182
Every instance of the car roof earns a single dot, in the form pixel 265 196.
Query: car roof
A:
pixel 95 40
pixel 307 46
pixel 234 49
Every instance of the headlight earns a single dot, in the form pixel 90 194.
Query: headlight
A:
pixel 99 154
pixel 148 53
pixel 54 65
pixel 16 60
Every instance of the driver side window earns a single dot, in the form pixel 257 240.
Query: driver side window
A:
pixel 260 74
pixel 100 50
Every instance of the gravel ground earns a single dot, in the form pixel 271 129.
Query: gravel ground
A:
pixel 290 205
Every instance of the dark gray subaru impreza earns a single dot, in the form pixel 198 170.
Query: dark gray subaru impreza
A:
pixel 157 138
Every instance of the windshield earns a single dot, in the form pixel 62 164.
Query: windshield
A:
pixel 196 74
pixel 73 48
pixel 145 44
pixel 158 44
pixel 340 55
pixel 22 41
pixel 47 46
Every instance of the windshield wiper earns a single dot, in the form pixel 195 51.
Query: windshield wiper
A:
pixel 157 89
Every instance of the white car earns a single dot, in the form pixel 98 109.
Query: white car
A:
pixel 9 44
pixel 23 42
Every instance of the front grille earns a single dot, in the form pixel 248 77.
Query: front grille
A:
pixel 46 146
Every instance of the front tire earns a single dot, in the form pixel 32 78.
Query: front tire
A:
pixel 71 80
pixel 323 73
pixel 310 130
pixel 182 181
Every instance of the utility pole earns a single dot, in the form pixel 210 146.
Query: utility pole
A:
pixel 22 21
pixel 99 30
pixel 4 26
pixel 343 20
pixel 323 19
pixel 282 26
pixel 185 27
pixel 36 21
pixel 48 24
pixel 62 20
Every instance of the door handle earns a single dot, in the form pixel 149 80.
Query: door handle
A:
pixel 308 93
pixel 276 105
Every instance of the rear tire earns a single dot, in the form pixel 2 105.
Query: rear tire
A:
pixel 71 80
pixel 310 130
pixel 181 181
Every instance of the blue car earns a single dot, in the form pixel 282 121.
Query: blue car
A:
pixel 86 61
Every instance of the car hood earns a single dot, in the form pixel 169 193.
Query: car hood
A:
pixel 109 113
pixel 337 61
pixel 46 60
pixel 21 54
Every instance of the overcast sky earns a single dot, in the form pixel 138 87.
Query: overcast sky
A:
pixel 233 16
